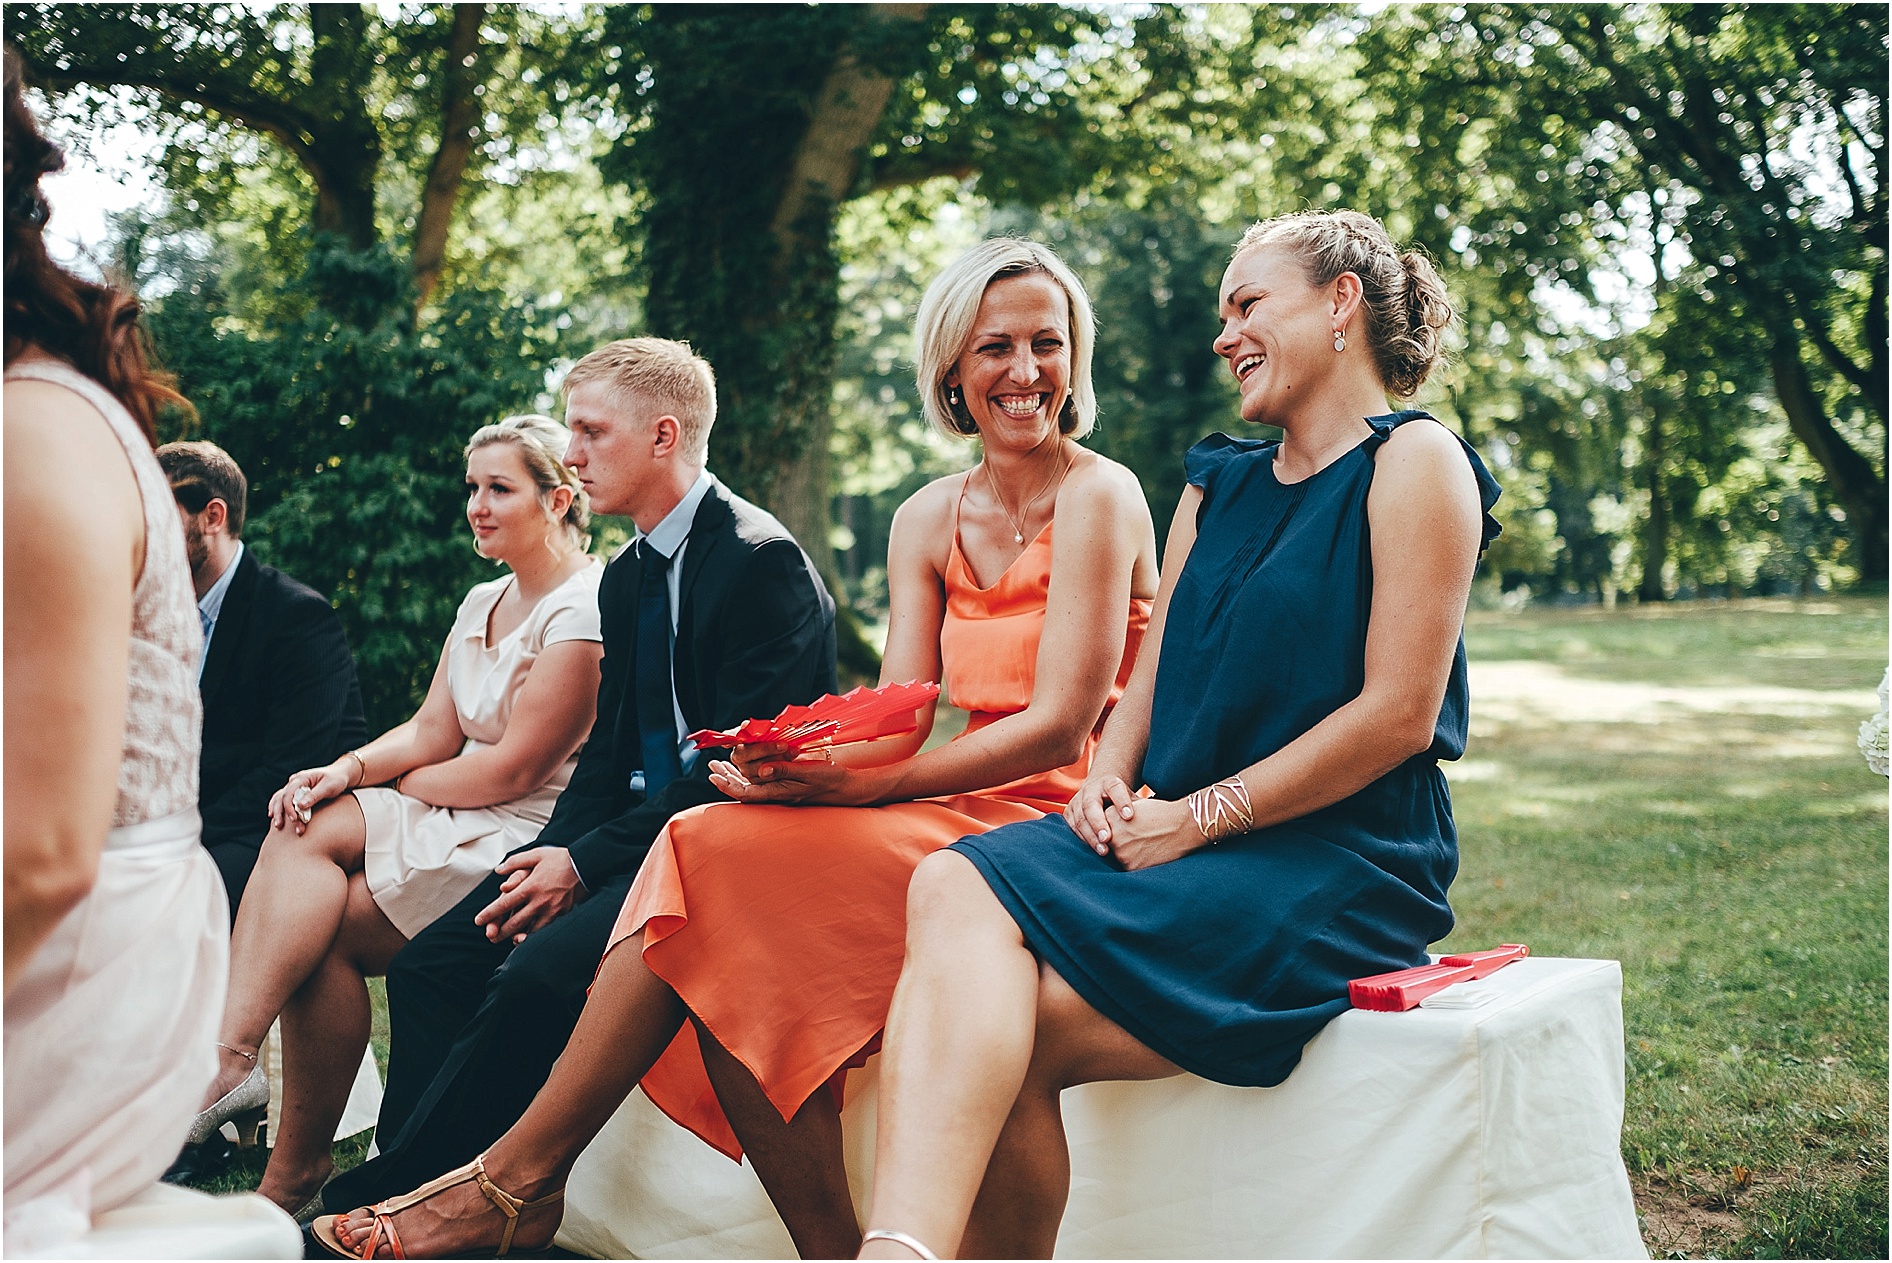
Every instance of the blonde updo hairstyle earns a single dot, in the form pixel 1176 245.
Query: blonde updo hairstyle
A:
pixel 951 307
pixel 542 442
pixel 1406 306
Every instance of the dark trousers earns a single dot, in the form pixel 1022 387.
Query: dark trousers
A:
pixel 235 862
pixel 474 1029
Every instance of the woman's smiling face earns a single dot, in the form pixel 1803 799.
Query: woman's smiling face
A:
pixel 1277 332
pixel 1015 372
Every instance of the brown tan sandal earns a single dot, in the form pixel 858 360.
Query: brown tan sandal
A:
pixel 383 1232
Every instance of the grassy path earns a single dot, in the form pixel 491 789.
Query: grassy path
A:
pixel 1678 789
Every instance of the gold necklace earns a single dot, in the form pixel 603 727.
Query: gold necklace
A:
pixel 1018 530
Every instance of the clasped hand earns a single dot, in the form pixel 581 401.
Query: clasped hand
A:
pixel 1136 832
pixel 768 772
pixel 541 885
pixel 291 806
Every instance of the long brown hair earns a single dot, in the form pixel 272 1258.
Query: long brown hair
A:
pixel 92 327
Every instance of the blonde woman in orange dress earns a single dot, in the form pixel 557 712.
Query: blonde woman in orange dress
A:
pixel 758 951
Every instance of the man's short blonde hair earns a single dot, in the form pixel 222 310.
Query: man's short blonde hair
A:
pixel 659 371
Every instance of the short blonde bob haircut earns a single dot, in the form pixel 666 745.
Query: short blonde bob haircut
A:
pixel 657 371
pixel 950 308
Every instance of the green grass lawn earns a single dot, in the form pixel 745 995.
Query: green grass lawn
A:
pixel 1734 860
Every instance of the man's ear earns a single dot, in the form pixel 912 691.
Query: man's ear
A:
pixel 215 517
pixel 665 435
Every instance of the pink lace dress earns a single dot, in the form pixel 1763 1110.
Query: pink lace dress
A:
pixel 110 1034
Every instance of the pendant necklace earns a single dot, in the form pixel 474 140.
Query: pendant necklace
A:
pixel 1018 529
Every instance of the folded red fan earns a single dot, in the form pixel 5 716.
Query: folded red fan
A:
pixel 1404 988
pixel 860 715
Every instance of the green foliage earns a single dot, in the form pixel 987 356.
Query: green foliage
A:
pixel 352 436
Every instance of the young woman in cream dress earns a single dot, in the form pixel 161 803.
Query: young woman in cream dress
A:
pixel 366 852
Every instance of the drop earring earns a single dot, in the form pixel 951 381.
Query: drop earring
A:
pixel 1340 341
pixel 952 396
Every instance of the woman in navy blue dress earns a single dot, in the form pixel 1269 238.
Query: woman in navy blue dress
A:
pixel 1303 677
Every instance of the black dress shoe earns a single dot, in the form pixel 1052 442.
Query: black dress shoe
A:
pixel 199 1164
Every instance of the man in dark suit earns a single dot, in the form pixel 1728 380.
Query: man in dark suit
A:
pixel 277 679
pixel 714 616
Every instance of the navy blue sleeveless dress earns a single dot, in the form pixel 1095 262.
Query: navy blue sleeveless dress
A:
pixel 1228 960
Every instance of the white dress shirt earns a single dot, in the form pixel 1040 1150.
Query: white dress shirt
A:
pixel 210 607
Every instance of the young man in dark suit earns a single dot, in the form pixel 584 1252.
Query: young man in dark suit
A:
pixel 277 679
pixel 714 616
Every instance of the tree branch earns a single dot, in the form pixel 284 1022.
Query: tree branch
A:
pixel 847 111
pixel 459 113
pixel 901 171
pixel 227 95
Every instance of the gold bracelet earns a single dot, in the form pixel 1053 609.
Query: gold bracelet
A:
pixel 360 763
pixel 1222 810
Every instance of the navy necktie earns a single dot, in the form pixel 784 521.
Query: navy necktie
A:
pixel 656 716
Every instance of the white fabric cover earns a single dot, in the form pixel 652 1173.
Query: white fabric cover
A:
pixel 110 1032
pixel 168 1222
pixel 1484 1132
pixel 364 1096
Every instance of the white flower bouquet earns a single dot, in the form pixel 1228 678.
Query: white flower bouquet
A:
pixel 1872 733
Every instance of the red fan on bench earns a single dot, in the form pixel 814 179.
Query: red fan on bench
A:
pixel 1404 988
pixel 861 715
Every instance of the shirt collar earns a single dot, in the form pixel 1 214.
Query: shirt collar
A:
pixel 211 605
pixel 669 535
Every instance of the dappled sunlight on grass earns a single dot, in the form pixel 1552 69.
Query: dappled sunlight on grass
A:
pixel 1719 834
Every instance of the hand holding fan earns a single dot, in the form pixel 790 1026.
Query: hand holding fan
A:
pixel 861 715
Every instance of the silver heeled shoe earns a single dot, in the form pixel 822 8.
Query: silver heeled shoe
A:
pixel 246 1105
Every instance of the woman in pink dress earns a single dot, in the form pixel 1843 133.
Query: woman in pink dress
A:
pixel 116 923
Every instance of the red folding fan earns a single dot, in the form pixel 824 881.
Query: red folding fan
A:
pixel 1404 988
pixel 860 715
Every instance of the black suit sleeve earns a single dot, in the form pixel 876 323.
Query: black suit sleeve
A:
pixel 780 651
pixel 312 697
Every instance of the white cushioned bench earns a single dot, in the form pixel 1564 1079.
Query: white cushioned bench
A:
pixel 1483 1132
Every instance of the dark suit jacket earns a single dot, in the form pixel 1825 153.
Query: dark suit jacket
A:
pixel 280 695
pixel 755 633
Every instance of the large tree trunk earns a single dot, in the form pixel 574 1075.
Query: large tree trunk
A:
pixel 344 153
pixel 748 154
pixel 824 174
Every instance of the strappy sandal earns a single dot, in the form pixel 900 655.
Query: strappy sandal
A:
pixel 383 1232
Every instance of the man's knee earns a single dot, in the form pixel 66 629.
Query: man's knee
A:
pixel 450 956
pixel 538 973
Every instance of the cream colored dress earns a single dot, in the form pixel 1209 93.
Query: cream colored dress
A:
pixel 110 1034
pixel 422 860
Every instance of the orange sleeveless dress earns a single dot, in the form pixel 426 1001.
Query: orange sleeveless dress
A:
pixel 783 928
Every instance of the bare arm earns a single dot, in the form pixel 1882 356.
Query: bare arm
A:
pixel 71 564
pixel 1423 513
pixel 1113 774
pixel 550 717
pixel 432 736
pixel 1103 531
